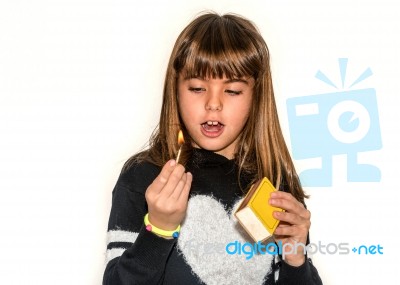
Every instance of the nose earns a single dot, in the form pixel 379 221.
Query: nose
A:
pixel 213 102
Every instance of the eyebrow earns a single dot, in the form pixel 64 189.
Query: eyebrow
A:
pixel 236 80
pixel 232 80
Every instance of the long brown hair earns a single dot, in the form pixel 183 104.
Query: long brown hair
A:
pixel 214 46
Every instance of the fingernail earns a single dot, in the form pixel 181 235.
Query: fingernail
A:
pixel 273 194
pixel 172 162
pixel 271 201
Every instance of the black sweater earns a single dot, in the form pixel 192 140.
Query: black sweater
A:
pixel 136 256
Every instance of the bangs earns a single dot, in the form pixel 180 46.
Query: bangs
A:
pixel 218 47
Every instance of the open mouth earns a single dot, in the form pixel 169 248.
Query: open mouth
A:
pixel 212 126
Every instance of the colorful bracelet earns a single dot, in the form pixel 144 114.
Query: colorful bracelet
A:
pixel 154 229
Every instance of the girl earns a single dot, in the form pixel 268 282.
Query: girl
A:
pixel 170 222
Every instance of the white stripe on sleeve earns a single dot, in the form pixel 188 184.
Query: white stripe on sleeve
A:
pixel 121 236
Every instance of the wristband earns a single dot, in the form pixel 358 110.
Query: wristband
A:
pixel 154 229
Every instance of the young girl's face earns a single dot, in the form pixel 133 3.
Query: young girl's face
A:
pixel 215 111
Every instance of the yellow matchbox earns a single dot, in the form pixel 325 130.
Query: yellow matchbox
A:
pixel 255 213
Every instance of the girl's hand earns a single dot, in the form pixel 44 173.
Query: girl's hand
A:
pixel 167 196
pixel 293 228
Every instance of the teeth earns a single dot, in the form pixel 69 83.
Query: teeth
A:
pixel 210 123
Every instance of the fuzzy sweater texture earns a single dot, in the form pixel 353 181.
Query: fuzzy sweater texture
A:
pixel 198 256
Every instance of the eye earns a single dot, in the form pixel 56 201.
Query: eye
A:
pixel 197 89
pixel 233 92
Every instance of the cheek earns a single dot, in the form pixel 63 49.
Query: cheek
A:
pixel 243 110
pixel 186 108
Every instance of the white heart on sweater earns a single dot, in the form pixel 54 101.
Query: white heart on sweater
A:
pixel 206 231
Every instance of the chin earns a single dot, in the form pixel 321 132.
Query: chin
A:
pixel 215 148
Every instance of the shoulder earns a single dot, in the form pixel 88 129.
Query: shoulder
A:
pixel 137 174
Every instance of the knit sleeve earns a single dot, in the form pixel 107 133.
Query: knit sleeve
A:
pixel 305 274
pixel 285 274
pixel 134 255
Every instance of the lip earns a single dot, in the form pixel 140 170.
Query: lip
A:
pixel 213 134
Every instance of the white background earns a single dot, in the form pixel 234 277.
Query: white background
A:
pixel 80 91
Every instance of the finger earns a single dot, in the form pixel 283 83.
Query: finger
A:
pixel 287 202
pixel 179 187
pixel 184 195
pixel 173 181
pixel 282 195
pixel 162 178
pixel 289 218
pixel 297 233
